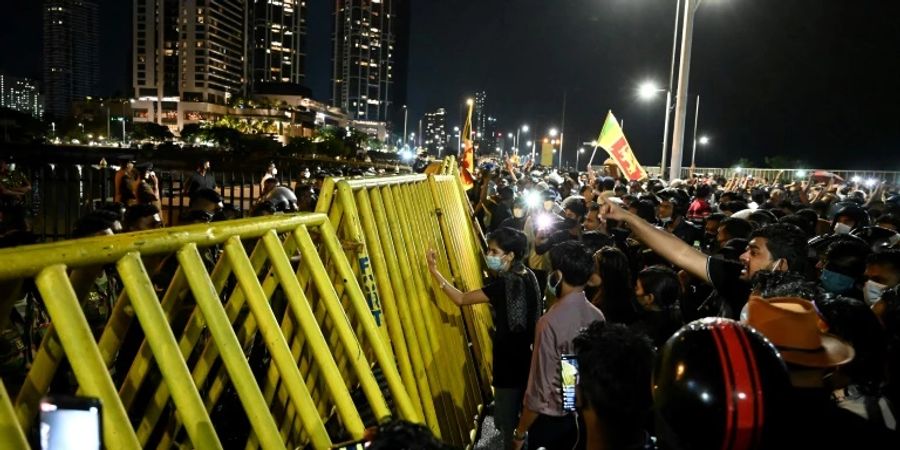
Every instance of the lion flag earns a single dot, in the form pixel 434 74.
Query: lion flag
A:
pixel 467 162
pixel 612 139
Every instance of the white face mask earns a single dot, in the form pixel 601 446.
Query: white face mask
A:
pixel 274 171
pixel 548 205
pixel 873 291
pixel 518 213
pixel 842 228
pixel 12 167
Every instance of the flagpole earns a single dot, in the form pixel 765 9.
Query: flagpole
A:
pixel 562 132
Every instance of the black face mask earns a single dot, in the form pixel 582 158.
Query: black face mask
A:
pixel 568 223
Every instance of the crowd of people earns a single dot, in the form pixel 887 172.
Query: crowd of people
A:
pixel 701 313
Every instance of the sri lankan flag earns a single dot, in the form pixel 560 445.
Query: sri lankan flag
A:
pixel 467 161
pixel 612 139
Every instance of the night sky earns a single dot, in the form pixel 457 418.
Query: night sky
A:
pixel 814 80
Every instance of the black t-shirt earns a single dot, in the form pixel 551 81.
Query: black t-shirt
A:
pixel 725 276
pixel 512 350
pixel 197 182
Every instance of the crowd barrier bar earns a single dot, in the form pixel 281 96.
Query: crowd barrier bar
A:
pixel 387 224
pixel 220 311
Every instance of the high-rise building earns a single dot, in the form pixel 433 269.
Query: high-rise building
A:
pixel 490 137
pixel 21 94
pixel 436 131
pixel 277 44
pixel 189 58
pixel 479 114
pixel 400 69
pixel 363 62
pixel 71 53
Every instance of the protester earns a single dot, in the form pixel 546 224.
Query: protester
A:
pixel 200 179
pixel 862 379
pixel 812 357
pixel 614 294
pixel 657 294
pixel 842 268
pixel 515 299
pixel 614 379
pixel 271 172
pixel 398 434
pixel 125 181
pixel 543 421
pixel 773 247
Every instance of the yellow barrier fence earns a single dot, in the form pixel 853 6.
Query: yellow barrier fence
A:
pixel 280 341
pixel 443 352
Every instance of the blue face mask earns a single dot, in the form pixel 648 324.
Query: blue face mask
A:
pixel 494 263
pixel 836 283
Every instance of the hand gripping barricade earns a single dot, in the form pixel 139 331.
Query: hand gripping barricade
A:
pixel 326 371
pixel 442 351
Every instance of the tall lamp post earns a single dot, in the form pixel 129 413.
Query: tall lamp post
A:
pixel 665 143
pixel 553 133
pixel 696 119
pixel 684 70
pixel 702 140
pixel 405 117
pixel 523 128
pixel 578 157
pixel 122 119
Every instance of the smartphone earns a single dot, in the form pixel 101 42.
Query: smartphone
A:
pixel 71 423
pixel 568 377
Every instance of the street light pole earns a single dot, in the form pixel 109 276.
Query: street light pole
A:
pixel 578 158
pixel 665 145
pixel 696 118
pixel 123 130
pixel 405 117
pixel 562 132
pixel 684 70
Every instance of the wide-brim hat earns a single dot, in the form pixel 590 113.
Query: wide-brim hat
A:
pixel 791 324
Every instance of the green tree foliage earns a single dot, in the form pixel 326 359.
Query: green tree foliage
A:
pixel 742 162
pixel 300 146
pixel 153 131
pixel 191 132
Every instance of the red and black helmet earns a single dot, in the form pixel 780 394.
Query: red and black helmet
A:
pixel 718 384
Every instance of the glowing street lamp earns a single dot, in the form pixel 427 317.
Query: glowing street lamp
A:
pixel 578 157
pixel 648 90
pixel 554 132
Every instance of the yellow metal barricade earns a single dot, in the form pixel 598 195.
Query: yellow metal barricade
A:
pixel 283 336
pixel 386 225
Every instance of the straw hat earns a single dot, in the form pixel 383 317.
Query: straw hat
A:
pixel 791 324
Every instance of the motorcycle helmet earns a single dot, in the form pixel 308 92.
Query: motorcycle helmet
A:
pixel 719 384
pixel 877 238
pixel 283 199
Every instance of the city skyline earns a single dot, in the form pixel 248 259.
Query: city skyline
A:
pixel 776 79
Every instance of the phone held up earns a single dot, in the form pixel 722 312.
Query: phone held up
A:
pixel 71 423
pixel 568 377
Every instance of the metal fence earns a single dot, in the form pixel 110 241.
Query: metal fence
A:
pixel 891 177
pixel 63 193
